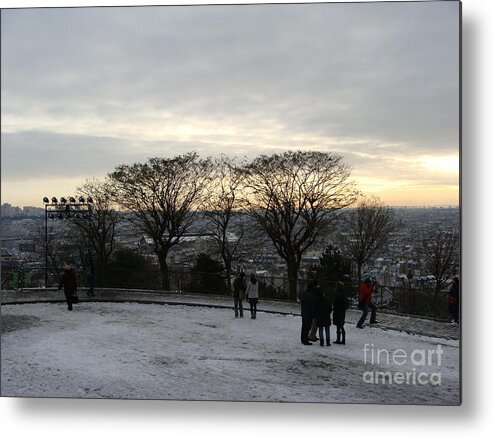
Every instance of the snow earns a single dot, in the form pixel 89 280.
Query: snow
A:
pixel 151 351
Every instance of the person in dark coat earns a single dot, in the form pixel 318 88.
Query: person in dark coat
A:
pixel 239 287
pixel 324 309
pixel 69 284
pixel 454 300
pixel 341 304
pixel 307 301
pixel 366 290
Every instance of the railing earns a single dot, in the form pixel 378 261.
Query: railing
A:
pixel 413 301
pixel 403 300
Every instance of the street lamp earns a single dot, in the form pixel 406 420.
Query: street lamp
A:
pixel 62 211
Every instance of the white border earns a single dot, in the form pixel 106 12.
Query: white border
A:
pixel 129 418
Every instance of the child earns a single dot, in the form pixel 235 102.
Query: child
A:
pixel 252 295
pixel 340 306
pixel 324 308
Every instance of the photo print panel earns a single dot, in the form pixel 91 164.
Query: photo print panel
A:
pixel 255 202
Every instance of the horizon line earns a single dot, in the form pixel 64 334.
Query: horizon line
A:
pixel 436 205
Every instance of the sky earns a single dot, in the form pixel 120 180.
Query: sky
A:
pixel 86 89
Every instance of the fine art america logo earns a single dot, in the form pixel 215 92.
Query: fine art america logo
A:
pixel 413 367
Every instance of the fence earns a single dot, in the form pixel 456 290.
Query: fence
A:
pixel 413 301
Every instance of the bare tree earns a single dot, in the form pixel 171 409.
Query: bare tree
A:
pixel 440 256
pixel 295 197
pixel 60 247
pixel 367 229
pixel 221 207
pixel 98 230
pixel 164 196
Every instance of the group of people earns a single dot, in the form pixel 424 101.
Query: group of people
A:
pixel 316 310
pixel 243 289
pixel 316 307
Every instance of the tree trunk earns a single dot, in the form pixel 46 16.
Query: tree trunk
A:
pixel 163 267
pixel 227 265
pixel 293 280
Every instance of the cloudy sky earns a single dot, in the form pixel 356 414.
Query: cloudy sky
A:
pixel 87 89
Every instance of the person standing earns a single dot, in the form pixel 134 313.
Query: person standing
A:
pixel 307 301
pixel 454 300
pixel 252 295
pixel 239 287
pixel 69 283
pixel 316 293
pixel 366 290
pixel 341 304
pixel 323 311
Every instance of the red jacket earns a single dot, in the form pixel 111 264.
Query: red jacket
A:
pixel 365 291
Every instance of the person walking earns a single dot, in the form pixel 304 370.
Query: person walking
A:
pixel 252 295
pixel 239 287
pixel 454 300
pixel 366 290
pixel 341 304
pixel 323 311
pixel 69 283
pixel 307 301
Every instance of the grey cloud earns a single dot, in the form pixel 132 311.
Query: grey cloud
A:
pixel 41 155
pixel 380 72
pixel 44 155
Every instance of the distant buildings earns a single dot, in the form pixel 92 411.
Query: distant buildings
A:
pixel 7 210
pixel 22 240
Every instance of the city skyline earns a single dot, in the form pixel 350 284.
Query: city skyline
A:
pixel 87 89
pixel 41 209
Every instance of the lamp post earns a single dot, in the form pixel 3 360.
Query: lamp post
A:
pixel 63 209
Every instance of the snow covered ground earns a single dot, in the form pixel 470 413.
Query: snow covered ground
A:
pixel 150 351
